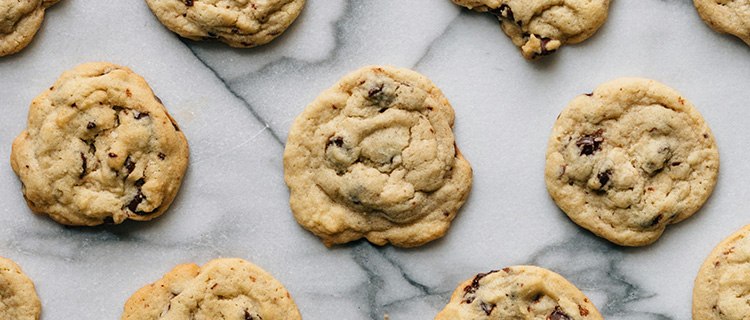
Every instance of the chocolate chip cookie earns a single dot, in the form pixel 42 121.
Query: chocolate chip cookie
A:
pixel 519 292
pixel 99 147
pixel 19 22
pixel 629 159
pixel 222 289
pixel 238 23
pixel 721 288
pixel 540 27
pixel 374 156
pixel 726 16
pixel 18 299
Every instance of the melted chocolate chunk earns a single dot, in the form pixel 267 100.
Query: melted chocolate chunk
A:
pixel 558 314
pixel 83 167
pixel 590 143
pixel 162 156
pixel 140 182
pixel 487 308
pixel 189 3
pixel 472 288
pixel 91 125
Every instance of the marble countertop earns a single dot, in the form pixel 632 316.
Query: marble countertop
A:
pixel 236 106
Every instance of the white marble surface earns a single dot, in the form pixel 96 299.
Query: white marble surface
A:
pixel 236 106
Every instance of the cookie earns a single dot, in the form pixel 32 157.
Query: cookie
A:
pixel 629 159
pixel 540 27
pixel 726 16
pixel 19 22
pixel 18 299
pixel 374 156
pixel 519 292
pixel 231 289
pixel 721 287
pixel 99 147
pixel 238 23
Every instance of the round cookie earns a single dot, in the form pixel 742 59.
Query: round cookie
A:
pixel 721 287
pixel 18 299
pixel 540 27
pixel 629 159
pixel 231 289
pixel 99 147
pixel 19 22
pixel 238 23
pixel 519 292
pixel 726 16
pixel 374 156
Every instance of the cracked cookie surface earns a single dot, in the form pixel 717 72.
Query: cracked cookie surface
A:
pixel 629 159
pixel 374 156
pixel 238 23
pixel 540 27
pixel 726 16
pixel 18 298
pixel 19 22
pixel 227 288
pixel 518 292
pixel 723 282
pixel 99 147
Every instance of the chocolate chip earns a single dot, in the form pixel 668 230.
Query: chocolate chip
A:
pixel 504 11
pixel 338 141
pixel 248 316
pixel 590 143
pixel 113 155
pixel 91 125
pixel 74 105
pixel 140 182
pixel 129 165
pixel 544 51
pixel 133 205
pixel 374 91
pixel 487 308
pixel 212 35
pixel 83 167
pixel 655 220
pixel 235 30
pixel 558 314
pixel 590 94
pixel 189 3
pixel 139 115
pixel 603 178
pixel 162 156
pixel 674 164
pixel 382 110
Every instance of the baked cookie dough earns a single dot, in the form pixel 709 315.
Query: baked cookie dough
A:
pixel 374 156
pixel 238 23
pixel 519 292
pixel 231 289
pixel 726 16
pixel 629 159
pixel 540 27
pixel 721 288
pixel 18 299
pixel 19 22
pixel 99 147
